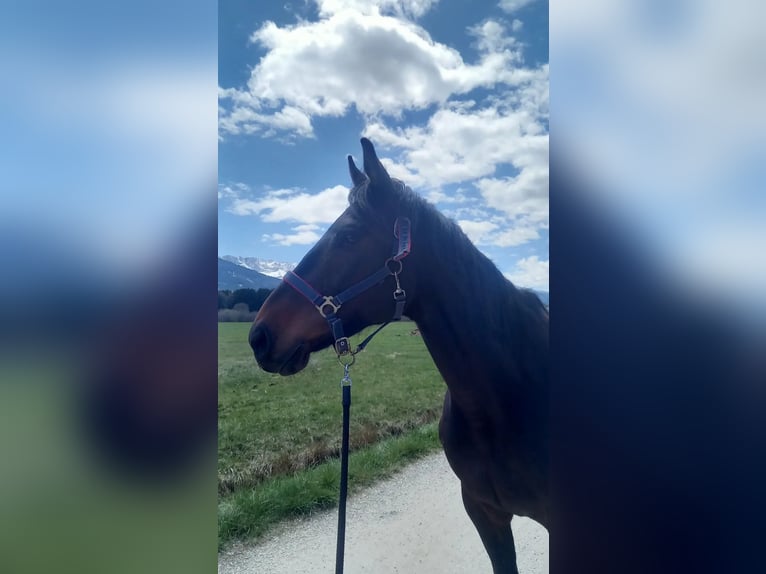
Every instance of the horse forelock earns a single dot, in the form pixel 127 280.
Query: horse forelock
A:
pixel 404 201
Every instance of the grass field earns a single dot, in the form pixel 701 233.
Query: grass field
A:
pixel 279 437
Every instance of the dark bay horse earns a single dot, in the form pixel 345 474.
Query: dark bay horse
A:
pixel 488 339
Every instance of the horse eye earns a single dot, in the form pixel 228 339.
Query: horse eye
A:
pixel 349 237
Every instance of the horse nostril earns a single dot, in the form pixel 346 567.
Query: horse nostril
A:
pixel 260 340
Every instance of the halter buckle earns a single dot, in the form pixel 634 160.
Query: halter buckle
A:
pixel 328 300
pixel 343 346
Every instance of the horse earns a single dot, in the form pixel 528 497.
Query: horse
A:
pixel 488 339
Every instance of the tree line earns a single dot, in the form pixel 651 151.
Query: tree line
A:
pixel 240 304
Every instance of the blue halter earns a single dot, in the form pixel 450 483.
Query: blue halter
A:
pixel 328 305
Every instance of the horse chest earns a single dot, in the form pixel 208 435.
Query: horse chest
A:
pixel 491 462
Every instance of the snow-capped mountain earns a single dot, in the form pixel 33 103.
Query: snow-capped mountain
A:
pixel 232 276
pixel 268 267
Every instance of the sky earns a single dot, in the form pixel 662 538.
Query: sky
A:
pixel 454 96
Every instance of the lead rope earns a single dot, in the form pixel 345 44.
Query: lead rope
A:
pixel 345 384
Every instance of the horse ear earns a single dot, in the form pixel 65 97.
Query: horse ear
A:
pixel 357 177
pixel 373 168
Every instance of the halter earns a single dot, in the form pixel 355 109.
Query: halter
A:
pixel 329 305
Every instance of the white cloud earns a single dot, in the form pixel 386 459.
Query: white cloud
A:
pixel 401 172
pixel 439 196
pixel 302 235
pixel 295 205
pixel 232 190
pixel 476 230
pixel 402 8
pixel 491 36
pixel 525 195
pixel 376 63
pixel 511 6
pixel 515 236
pixel 473 213
pixel 517 25
pixel 530 272
pixel 499 232
pixel 246 120
pixel 464 142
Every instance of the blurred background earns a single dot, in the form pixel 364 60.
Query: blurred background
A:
pixel 658 285
pixel 107 286
pixel 660 104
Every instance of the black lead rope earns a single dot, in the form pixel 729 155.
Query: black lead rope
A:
pixel 346 386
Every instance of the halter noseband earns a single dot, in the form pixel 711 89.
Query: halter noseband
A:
pixel 329 305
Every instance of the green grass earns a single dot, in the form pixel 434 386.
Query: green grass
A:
pixel 250 513
pixel 279 437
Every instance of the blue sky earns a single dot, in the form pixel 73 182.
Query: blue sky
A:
pixel 454 95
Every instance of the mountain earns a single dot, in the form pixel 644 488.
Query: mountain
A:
pixel 543 295
pixel 264 266
pixel 232 276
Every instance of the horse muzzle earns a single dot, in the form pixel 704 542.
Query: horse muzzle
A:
pixel 285 363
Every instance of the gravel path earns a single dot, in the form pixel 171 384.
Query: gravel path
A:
pixel 411 523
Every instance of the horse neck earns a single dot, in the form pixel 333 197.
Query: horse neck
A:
pixel 462 311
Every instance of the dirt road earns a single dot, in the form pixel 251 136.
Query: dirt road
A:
pixel 411 523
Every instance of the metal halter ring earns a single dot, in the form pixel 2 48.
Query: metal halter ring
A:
pixel 327 301
pixel 392 260
pixel 350 359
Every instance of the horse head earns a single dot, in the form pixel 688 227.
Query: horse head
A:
pixel 289 326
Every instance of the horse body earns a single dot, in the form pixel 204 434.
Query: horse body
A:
pixel 494 441
pixel 490 344
pixel 488 339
